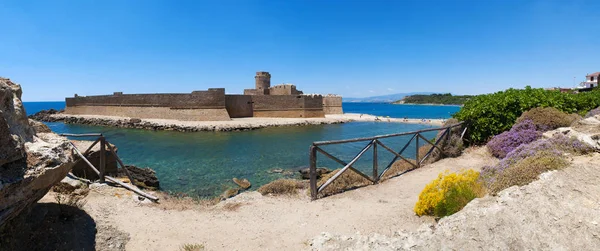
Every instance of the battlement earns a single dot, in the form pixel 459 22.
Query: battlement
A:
pixel 263 74
pixel 284 86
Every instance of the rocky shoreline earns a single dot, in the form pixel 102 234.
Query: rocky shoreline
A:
pixel 244 124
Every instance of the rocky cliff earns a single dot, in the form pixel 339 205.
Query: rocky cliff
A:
pixel 30 162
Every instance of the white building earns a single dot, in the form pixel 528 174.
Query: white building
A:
pixel 591 81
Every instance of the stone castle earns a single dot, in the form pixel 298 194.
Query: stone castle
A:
pixel 280 101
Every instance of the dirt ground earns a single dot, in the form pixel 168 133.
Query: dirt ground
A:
pixel 560 211
pixel 251 221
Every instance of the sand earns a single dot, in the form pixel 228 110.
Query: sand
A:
pixel 559 211
pixel 272 223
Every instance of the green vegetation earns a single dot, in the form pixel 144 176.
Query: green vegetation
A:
pixel 491 114
pixel 548 118
pixel 449 193
pixel 442 99
pixel 527 170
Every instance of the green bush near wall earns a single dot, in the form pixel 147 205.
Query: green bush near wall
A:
pixel 491 114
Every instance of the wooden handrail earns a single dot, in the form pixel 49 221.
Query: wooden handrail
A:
pixel 330 142
pixel 373 142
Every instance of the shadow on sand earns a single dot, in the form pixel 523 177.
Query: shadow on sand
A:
pixel 50 226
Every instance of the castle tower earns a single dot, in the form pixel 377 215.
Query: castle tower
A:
pixel 263 82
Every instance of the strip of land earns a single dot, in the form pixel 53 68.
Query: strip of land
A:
pixel 236 124
pixel 368 117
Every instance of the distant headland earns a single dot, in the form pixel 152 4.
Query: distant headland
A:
pixel 435 99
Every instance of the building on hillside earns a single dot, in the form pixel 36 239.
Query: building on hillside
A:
pixel 564 90
pixel 591 81
pixel 280 101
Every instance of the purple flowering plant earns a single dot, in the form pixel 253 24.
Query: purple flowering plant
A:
pixel 521 133
pixel 557 145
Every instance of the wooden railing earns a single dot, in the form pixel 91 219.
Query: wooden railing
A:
pixel 101 169
pixel 374 142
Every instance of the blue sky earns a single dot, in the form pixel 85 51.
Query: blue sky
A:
pixel 354 48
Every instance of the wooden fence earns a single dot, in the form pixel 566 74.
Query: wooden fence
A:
pixel 101 169
pixel 374 142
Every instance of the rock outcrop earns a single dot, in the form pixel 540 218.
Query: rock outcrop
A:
pixel 586 130
pixel 44 115
pixel 30 163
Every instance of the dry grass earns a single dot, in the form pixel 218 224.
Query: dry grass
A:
pixel 348 180
pixel 398 167
pixel 230 193
pixel 282 187
pixel 232 206
pixel 182 203
pixel 527 170
pixel 192 247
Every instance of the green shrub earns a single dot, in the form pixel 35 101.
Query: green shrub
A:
pixel 490 114
pixel 527 170
pixel 547 118
pixel 449 193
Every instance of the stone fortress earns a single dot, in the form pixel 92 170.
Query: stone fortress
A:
pixel 280 101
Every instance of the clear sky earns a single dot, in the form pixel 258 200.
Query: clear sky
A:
pixel 354 48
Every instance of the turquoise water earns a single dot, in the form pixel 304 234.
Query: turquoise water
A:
pixel 401 111
pixel 379 109
pixel 203 163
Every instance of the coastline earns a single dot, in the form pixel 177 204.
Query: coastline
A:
pixel 427 104
pixel 238 124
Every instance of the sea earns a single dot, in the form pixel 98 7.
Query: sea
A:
pixel 202 164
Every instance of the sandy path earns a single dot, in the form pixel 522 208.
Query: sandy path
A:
pixel 559 211
pixel 274 223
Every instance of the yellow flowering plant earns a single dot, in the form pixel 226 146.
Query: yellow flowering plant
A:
pixel 449 193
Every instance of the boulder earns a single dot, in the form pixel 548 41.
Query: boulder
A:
pixel 143 177
pixel 82 170
pixel 30 163
pixel 135 120
pixel 586 130
pixel 243 183
pixel 68 185
pixel 39 127
pixel 305 172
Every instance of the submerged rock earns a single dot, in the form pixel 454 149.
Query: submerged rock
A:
pixel 30 163
pixel 243 183
pixel 305 172
pixel 143 177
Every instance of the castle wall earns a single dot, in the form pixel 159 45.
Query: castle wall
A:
pixel 148 112
pixel 198 105
pixel 254 92
pixel 332 105
pixel 288 106
pixel 239 106
pixel 285 89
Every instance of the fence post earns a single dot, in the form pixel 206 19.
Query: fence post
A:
pixel 375 171
pixel 313 172
pixel 417 151
pixel 102 166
